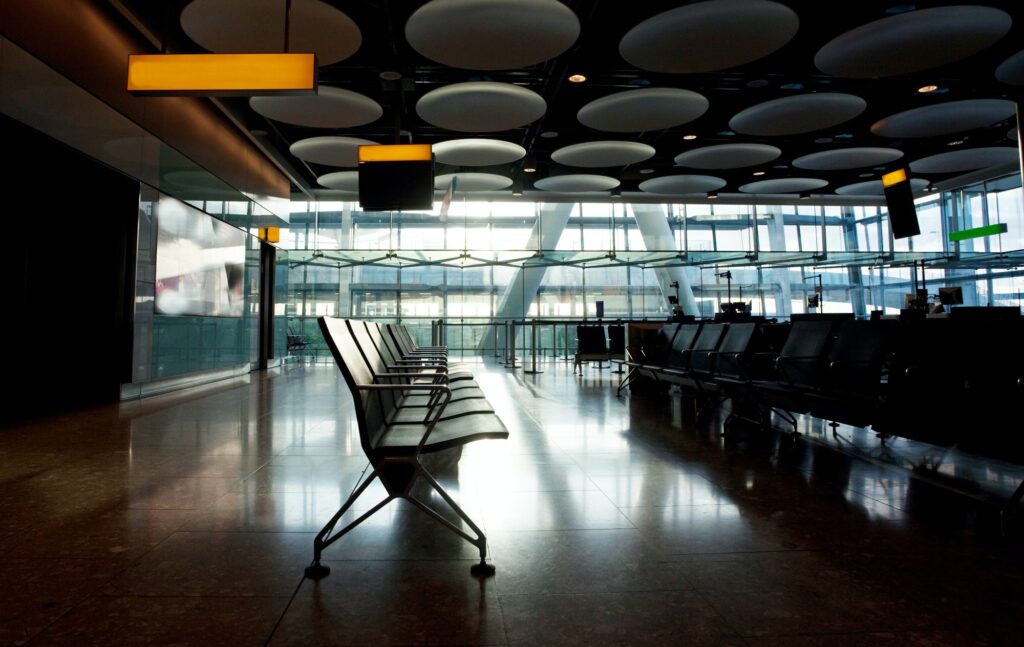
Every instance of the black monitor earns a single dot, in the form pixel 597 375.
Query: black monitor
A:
pixel 899 200
pixel 951 296
pixel 673 300
pixel 396 186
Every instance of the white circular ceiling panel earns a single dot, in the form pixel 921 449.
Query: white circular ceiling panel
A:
pixel 603 153
pixel 784 185
pixel 341 181
pixel 912 41
pixel 709 36
pixel 967 159
pixel 330 151
pixel 875 188
pixel 480 106
pixel 492 34
pixel 252 26
pixel 331 108
pixel 802 113
pixel 580 183
pixel 682 184
pixel 634 111
pixel 725 156
pixel 472 182
pixel 477 152
pixel 944 118
pixel 840 159
pixel 1012 69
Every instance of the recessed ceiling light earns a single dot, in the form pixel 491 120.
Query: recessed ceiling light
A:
pixel 549 134
pixel 689 137
pixel 925 89
pixel 757 83
pixel 758 173
pixel 866 175
pixel 390 75
pixel 646 171
pixel 805 196
pixel 517 193
pixel 712 195
pixel 529 169
pixel 955 142
pixel 577 78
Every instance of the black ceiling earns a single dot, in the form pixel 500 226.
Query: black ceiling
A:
pixel 788 71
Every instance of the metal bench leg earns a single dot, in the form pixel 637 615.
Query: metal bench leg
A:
pixel 483 569
pixel 316 570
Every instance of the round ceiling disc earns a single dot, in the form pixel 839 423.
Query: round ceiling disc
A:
pixel 784 185
pixel 798 114
pixel 492 34
pixel 603 154
pixel 726 156
pixel 1012 69
pixel 682 184
pixel 254 26
pixel 331 108
pixel 912 41
pixel 709 36
pixel 341 181
pixel 945 118
pixel 577 183
pixel 472 182
pixel 647 109
pixel 330 151
pixel 480 106
pixel 874 187
pixel 967 159
pixel 477 152
pixel 840 159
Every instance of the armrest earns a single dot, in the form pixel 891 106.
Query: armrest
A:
pixel 393 367
pixel 416 387
pixel 403 387
pixel 437 376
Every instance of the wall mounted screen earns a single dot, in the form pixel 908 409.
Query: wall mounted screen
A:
pixel 200 263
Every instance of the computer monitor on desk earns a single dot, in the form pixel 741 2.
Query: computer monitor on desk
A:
pixel 951 296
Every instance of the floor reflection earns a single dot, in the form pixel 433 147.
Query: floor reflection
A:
pixel 610 519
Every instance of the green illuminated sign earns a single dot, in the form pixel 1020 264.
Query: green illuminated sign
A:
pixel 978 232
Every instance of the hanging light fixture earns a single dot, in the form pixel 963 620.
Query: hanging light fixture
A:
pixel 222 75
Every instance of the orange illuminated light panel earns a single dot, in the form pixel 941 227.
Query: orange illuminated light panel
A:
pixel 895 177
pixel 222 74
pixel 395 153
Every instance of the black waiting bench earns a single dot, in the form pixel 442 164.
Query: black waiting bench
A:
pixel 409 401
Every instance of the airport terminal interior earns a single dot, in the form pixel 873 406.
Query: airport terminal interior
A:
pixel 512 322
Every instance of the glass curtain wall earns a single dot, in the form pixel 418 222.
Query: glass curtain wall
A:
pixel 461 267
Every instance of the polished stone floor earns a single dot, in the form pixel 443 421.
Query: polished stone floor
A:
pixel 188 519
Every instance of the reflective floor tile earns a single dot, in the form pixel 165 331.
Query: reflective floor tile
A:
pixel 644 618
pixel 166 620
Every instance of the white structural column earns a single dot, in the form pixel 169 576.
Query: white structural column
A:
pixel 657 234
pixel 522 289
pixel 777 240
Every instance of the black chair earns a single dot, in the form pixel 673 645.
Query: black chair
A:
pixel 799 368
pixel 394 448
pixel 591 345
pixel 653 355
pixel 850 393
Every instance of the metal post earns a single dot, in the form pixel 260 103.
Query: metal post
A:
pixel 511 343
pixel 497 343
pixel 567 358
pixel 533 350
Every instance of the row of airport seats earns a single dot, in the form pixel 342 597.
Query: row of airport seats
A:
pixel 946 381
pixel 409 401
pixel 593 346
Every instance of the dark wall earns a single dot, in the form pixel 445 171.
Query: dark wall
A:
pixel 69 228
